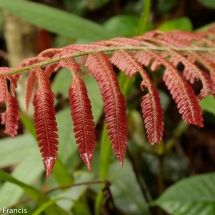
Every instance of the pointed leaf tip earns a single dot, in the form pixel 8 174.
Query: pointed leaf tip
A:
pixel 87 160
pixel 121 162
pixel 49 164
pixel 120 158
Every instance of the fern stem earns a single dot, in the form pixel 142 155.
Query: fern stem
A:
pixel 105 50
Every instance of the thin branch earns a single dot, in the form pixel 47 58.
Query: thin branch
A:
pixel 106 50
pixel 78 184
pixel 63 187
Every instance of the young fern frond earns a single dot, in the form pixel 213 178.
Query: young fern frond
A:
pixel 153 50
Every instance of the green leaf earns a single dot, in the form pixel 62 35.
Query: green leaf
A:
pixel 33 193
pixel 208 3
pixel 165 99
pixel 62 76
pixel 194 195
pixel 46 205
pixel 126 190
pixel 95 97
pixel 208 104
pixel 81 207
pixel 127 85
pixel 56 21
pixel 14 150
pixel 59 170
pixel 122 25
pixel 1 22
pixel 81 6
pixel 67 146
pixel 175 165
pixel 182 23
pixel 28 124
pixel 136 127
pixel 29 169
pixel 164 6
pixel 73 194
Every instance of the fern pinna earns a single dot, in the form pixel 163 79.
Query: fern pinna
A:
pixel 195 51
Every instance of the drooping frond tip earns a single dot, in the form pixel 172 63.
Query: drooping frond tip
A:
pixel 84 127
pixel 45 122
pixel 153 50
pixel 114 102
pixel 151 105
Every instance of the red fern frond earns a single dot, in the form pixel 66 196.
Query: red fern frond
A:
pixel 30 87
pixel 114 102
pixel 56 66
pixel 125 62
pixel 13 81
pixel 180 90
pixel 81 47
pixel 156 49
pixel 194 39
pixel 194 57
pixel 50 52
pixel 187 104
pixel 10 117
pixel 152 112
pixel 185 36
pixel 71 64
pixel 209 65
pixel 45 122
pixel 2 89
pixel 3 85
pixel 192 72
pixel 50 69
pixel 210 57
pixel 184 97
pixel 31 61
pixel 84 127
pixel 151 105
